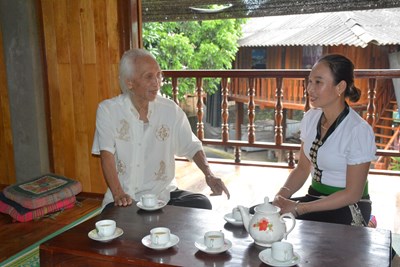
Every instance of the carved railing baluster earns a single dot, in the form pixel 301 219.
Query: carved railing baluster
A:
pixel 237 154
pixel 371 100
pixel 200 124
pixel 307 103
pixel 224 111
pixel 238 127
pixel 251 106
pixel 242 93
pixel 291 162
pixel 278 112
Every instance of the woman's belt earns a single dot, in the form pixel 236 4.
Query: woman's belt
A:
pixel 328 190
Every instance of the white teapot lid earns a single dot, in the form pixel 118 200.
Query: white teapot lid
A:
pixel 267 207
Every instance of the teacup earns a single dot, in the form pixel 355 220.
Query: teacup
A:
pixel 236 214
pixel 282 251
pixel 149 200
pixel 214 239
pixel 106 228
pixel 160 236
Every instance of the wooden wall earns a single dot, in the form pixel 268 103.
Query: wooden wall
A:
pixel 82 52
pixel 7 168
pixel 82 41
pixel 370 57
pixel 279 57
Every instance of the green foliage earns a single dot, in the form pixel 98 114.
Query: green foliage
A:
pixel 210 44
pixel 395 164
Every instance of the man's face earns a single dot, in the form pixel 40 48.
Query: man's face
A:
pixel 146 82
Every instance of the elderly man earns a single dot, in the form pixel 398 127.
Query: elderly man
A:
pixel 138 134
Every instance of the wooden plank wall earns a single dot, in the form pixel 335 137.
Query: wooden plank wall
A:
pixel 279 57
pixel 82 51
pixel 7 167
pixel 370 57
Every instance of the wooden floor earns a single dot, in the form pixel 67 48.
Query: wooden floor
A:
pixel 248 186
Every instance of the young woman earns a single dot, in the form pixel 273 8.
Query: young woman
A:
pixel 337 148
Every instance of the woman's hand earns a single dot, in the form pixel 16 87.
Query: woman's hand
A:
pixel 285 204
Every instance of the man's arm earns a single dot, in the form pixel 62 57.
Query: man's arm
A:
pixel 216 184
pixel 111 177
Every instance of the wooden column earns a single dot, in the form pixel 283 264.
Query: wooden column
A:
pixel 130 24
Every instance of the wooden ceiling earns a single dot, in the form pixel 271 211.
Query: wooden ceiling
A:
pixel 181 10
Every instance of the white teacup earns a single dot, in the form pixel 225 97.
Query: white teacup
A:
pixel 160 236
pixel 282 251
pixel 106 228
pixel 236 214
pixel 149 200
pixel 214 239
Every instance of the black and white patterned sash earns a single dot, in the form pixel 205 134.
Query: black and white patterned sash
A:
pixel 318 142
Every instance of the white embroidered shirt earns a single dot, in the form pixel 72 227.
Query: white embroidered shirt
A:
pixel 144 152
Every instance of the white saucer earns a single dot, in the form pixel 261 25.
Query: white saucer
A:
pixel 160 204
pixel 93 235
pixel 265 256
pixel 201 246
pixel 147 242
pixel 228 217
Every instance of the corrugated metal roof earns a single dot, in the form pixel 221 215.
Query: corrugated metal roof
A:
pixel 354 28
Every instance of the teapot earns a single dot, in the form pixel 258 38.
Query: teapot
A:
pixel 266 225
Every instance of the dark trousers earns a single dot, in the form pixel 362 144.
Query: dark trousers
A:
pixel 339 216
pixel 184 198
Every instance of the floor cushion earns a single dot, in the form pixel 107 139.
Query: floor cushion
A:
pixel 42 191
pixel 22 214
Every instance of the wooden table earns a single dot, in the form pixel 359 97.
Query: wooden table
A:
pixel 318 244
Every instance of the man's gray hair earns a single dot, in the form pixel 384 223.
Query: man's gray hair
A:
pixel 127 65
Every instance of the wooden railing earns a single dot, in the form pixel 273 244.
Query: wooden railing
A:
pixel 384 162
pixel 229 89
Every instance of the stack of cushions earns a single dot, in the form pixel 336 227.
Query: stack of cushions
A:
pixel 39 196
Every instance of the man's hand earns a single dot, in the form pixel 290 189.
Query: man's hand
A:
pixel 217 186
pixel 123 200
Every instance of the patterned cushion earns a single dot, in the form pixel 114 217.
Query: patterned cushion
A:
pixel 22 214
pixel 42 191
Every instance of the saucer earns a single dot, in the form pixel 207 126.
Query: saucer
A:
pixel 159 205
pixel 228 217
pixel 265 256
pixel 93 235
pixel 147 242
pixel 201 246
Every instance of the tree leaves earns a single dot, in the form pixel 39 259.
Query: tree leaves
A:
pixel 210 44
